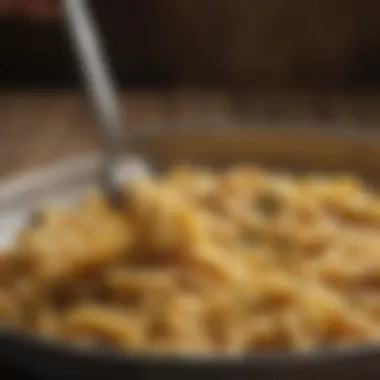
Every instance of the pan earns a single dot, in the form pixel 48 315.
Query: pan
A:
pixel 286 149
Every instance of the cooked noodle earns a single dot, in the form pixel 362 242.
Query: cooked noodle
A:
pixel 235 262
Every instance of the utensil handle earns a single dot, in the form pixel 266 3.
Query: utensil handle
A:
pixel 96 74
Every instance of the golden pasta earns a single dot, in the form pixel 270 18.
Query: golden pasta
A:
pixel 240 261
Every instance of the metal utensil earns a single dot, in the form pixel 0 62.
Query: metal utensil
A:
pixel 101 89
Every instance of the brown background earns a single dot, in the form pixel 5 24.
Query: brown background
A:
pixel 193 63
pixel 41 127
pixel 224 42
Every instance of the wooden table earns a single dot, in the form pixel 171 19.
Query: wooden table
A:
pixel 41 127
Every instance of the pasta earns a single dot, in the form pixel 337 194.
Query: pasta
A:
pixel 240 261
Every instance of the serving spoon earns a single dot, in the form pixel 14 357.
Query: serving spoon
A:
pixel 101 90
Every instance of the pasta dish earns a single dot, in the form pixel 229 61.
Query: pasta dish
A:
pixel 240 261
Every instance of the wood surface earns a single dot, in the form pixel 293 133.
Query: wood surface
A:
pixel 37 128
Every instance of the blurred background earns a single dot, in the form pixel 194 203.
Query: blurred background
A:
pixel 193 64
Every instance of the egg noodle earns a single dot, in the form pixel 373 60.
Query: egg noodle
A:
pixel 240 261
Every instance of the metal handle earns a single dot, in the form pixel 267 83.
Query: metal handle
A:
pixel 100 86
pixel 96 74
